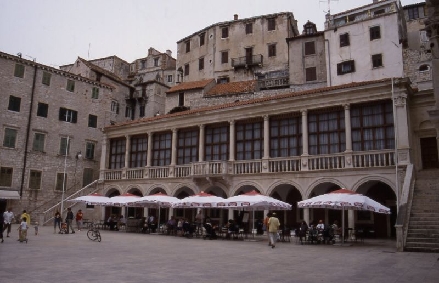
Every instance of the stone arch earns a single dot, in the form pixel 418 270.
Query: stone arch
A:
pixel 220 185
pixel 177 188
pixel 158 187
pixel 134 189
pixel 356 187
pixel 313 185
pixel 246 183
pixel 113 190
pixel 273 186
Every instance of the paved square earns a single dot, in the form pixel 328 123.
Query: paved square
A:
pixel 128 257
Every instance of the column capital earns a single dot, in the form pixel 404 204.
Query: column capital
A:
pixel 265 117
pixel 304 112
pixel 347 106
pixel 400 100
pixel 174 130
pixel 201 126
pixel 232 122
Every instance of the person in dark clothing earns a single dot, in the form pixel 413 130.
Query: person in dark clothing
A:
pixel 69 219
pixel 1 227
pixel 302 230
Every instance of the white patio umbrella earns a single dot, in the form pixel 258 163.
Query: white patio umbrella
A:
pixel 156 201
pixel 344 199
pixel 92 199
pixel 200 200
pixel 254 201
pixel 123 200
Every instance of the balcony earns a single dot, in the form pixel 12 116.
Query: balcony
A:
pixel 247 61
pixel 274 79
pixel 313 163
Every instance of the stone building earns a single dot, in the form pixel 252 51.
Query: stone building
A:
pixel 51 125
pixel 237 50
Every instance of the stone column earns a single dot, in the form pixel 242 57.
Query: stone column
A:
pixel 104 157
pixel 401 128
pixel 127 150
pixel 174 147
pixel 265 163
pixel 149 153
pixel 304 157
pixel 348 132
pixel 306 215
pixel 201 144
pixel 351 219
pixel 232 141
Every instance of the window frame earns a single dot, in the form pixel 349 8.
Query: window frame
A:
pixel 10 137
pixel 200 63
pixel 248 28
pixel 217 142
pixel 117 153
pixel 202 38
pixel 377 61
pixel 90 150
pixel 320 133
pixel 170 78
pixel 161 149
pixel 286 136
pixel 375 32
pixel 310 48
pixel 138 151
pixel 310 74
pixel 19 70
pixel 345 64
pixel 272 50
pixel 344 39
pixel 413 13
pixel 187 45
pixel 92 121
pixel 271 24
pixel 35 177
pixel 224 32
pixel 95 93
pixel 63 143
pixel 224 57
pixel 187 146
pixel 70 85
pixel 6 174
pixel 186 69
pixel 46 78
pixel 61 181
pixel 42 109
pixel 39 142
pixel 249 140
pixel 68 115
pixel 14 103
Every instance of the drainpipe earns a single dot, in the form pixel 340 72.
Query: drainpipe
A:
pixel 29 120
pixel 329 62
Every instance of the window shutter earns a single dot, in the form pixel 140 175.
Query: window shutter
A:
pixel 74 116
pixel 62 114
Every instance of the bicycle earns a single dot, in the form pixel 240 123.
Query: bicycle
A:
pixel 93 233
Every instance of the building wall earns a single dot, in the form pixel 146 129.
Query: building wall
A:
pixel 235 44
pixel 50 161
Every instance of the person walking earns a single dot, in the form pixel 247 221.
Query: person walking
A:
pixel 8 217
pixel 265 226
pixel 273 227
pixel 56 222
pixel 69 219
pixel 1 227
pixel 79 216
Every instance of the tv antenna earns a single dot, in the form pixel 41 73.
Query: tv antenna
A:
pixel 329 5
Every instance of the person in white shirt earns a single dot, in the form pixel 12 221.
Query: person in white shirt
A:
pixel 320 226
pixel 8 218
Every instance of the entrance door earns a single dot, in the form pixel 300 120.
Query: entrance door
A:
pixel 429 153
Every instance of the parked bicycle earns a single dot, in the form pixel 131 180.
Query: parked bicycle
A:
pixel 93 233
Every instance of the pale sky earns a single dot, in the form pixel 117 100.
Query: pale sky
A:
pixel 56 32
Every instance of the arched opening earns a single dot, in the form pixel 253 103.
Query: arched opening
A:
pixel 134 212
pixel 217 216
pixel 184 212
pixel 326 215
pixel 112 210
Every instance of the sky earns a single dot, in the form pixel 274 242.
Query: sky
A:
pixel 56 32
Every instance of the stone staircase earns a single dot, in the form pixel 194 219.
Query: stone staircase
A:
pixel 423 226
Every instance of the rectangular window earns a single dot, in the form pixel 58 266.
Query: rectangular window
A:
pixel 181 99
pixel 345 67
pixel 248 28
pixel 70 86
pixel 35 180
pixel 375 33
pixel 286 136
pixel 186 70
pixel 10 138
pixel 90 150
pixel 216 145
pixel 42 109
pixel 344 40
pixel 92 121
pixel 187 146
pixel 224 57
pixel 38 144
pixel 413 13
pixel 272 50
pixel 249 140
pixel 114 107
pixel 95 93
pixel 138 151
pixel 117 153
pixel 61 182
pixel 156 62
pixel 377 60
pixel 271 24
pixel 46 78
pixel 6 176
pixel 128 111
pixel 201 64
pixel 64 146
pixel 224 32
pixel 311 74
pixel 202 38
pixel 326 132
pixel 372 126
pixel 141 110
pixel 87 176
pixel 310 48
pixel 19 71
pixel 14 103
pixel 170 79
pixel 162 148
pixel 68 115
pixel 223 80
pixel 187 46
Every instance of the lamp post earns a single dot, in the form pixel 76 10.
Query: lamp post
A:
pixel 78 155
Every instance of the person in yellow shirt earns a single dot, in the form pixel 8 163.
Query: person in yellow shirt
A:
pixel 273 227
pixel 27 216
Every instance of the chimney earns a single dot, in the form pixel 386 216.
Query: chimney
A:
pixel 169 52
pixel 235 17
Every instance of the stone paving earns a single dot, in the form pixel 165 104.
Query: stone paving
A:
pixel 129 257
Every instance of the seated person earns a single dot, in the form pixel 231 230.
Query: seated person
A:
pixel 171 225
pixel 210 230
pixel 111 222
pixel 180 227
pixel 303 228
pixel 320 226
pixel 187 228
pixel 121 222
pixel 143 225
pixel 151 223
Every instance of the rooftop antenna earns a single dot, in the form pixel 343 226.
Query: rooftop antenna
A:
pixel 33 58
pixel 88 53
pixel 329 5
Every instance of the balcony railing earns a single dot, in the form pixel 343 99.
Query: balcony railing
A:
pixel 247 61
pixel 340 161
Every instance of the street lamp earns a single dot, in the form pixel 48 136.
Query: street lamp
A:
pixel 78 155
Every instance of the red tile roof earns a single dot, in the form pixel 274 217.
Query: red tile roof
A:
pixel 249 102
pixel 232 88
pixel 190 85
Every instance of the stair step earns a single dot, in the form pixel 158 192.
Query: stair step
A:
pixel 422 244
pixel 423 240
pixel 423 222
pixel 421 249
pixel 423 210
pixel 414 219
